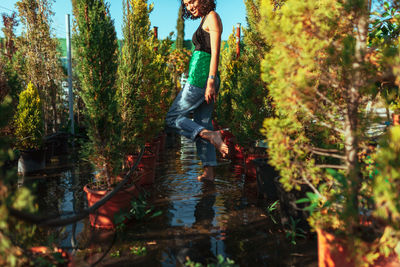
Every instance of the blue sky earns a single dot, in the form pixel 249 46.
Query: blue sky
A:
pixel 164 16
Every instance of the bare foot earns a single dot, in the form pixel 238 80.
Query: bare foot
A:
pixel 215 138
pixel 207 175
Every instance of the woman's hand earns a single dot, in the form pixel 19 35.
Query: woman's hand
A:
pixel 210 94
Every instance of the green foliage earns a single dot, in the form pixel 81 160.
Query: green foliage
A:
pixel 139 210
pixel 138 250
pixel 229 72
pixel 385 28
pixel 28 120
pixel 384 33
pixel 115 254
pixel 387 181
pixel 144 79
pixel 293 232
pixel 221 262
pixel 3 83
pixel 10 65
pixel 311 198
pixel 178 62
pixel 97 49
pixel 40 57
pixel 243 102
pixel 271 209
pixel 322 70
pixel 14 235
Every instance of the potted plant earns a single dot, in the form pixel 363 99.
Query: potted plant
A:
pixel 29 131
pixel 230 67
pixel 142 85
pixel 322 75
pixel 97 49
pixel 244 102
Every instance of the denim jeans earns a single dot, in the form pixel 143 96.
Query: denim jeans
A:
pixel 191 99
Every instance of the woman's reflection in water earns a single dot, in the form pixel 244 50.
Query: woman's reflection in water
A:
pixel 199 249
pixel 204 211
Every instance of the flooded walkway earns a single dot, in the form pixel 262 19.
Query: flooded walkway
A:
pixel 198 220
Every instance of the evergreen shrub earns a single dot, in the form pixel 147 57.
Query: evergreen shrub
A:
pixel 28 120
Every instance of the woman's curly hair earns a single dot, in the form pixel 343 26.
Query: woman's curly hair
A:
pixel 206 6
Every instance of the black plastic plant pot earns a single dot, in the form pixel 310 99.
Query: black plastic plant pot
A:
pixel 31 161
pixel 267 177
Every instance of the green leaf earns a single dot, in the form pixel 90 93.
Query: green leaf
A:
pixel 302 200
pixel 386 6
pixel 155 214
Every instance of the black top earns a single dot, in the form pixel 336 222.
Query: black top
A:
pixel 201 39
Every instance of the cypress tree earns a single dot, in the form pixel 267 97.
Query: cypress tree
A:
pixel 96 47
pixel 28 120
pixel 39 48
pixel 10 59
pixel 244 101
pixel 229 72
pixel 180 28
pixel 143 77
pixel 179 57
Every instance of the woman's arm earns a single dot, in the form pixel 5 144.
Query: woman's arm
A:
pixel 213 25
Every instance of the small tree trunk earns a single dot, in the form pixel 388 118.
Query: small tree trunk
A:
pixel 54 106
pixel 358 82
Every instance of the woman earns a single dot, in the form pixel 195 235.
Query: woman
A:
pixel 200 91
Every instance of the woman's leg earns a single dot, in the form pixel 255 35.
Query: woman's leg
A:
pixel 191 98
pixel 205 150
pixel 188 99
pixel 209 140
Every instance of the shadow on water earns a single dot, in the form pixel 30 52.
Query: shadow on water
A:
pixel 198 220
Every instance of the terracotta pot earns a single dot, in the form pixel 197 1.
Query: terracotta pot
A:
pixel 148 163
pixel 396 119
pixel 45 250
pixel 332 252
pixel 250 167
pixel 146 177
pixel 103 218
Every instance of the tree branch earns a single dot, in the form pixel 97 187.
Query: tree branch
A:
pixel 343 167
pixel 315 190
pixel 328 154
pixel 328 125
pixel 324 150
pixel 321 95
